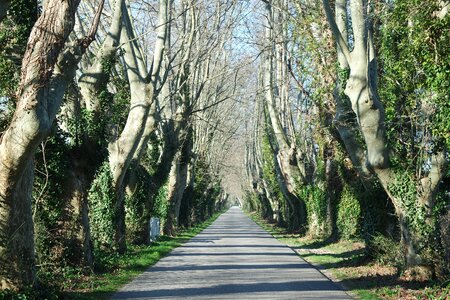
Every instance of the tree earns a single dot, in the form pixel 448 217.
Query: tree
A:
pixel 361 87
pixel 142 87
pixel 4 6
pixel 284 148
pixel 35 111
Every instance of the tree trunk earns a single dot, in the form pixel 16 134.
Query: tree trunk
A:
pixel 78 187
pixel 285 152
pixel 178 181
pixel 123 149
pixel 95 78
pixel 17 235
pixel 32 120
pixel 362 90
pixel 186 213
pixel 332 190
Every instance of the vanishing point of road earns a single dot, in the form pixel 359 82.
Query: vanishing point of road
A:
pixel 232 259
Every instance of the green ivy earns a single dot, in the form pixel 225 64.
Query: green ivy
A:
pixel 150 160
pixel 404 190
pixel 415 77
pixel 102 208
pixel 14 32
pixel 250 201
pixel 112 112
pixel 207 189
pixel 50 212
pixel 270 175
pixel 349 214
pixel 138 208
pixel 315 198
pixel 160 203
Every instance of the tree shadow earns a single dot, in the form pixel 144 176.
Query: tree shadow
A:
pixel 88 295
pixel 353 258
pixel 314 244
pixel 319 289
pixel 372 281
pixel 375 277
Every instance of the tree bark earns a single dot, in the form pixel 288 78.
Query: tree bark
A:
pixel 94 78
pixel 186 213
pixel 32 121
pixel 285 150
pixel 78 187
pixel 177 184
pixel 362 90
pixel 124 147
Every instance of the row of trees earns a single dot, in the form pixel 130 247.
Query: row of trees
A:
pixel 350 133
pixel 116 111
pixel 111 113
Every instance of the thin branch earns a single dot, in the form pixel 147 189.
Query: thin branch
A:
pixel 41 193
pixel 86 41
pixel 209 106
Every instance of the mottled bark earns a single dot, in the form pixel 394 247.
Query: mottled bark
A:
pixel 176 185
pixel 362 90
pixel 94 78
pixel 62 80
pixel 123 148
pixel 285 150
pixel 34 115
pixel 78 187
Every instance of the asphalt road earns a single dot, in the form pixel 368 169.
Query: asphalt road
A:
pixel 232 259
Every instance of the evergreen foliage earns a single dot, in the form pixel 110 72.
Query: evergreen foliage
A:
pixel 14 32
pixel 138 208
pixel 349 215
pixel 103 209
pixel 51 214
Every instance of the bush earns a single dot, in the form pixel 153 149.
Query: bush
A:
pixel 387 251
pixel 316 205
pixel 160 204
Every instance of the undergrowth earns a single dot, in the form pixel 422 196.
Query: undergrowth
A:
pixel 364 277
pixel 112 270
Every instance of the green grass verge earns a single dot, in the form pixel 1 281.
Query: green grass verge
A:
pixel 346 262
pixel 112 271
pixel 330 257
pixel 124 268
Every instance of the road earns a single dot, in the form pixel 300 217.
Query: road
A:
pixel 232 259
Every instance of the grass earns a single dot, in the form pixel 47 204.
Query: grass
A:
pixel 112 271
pixel 346 263
pixel 121 269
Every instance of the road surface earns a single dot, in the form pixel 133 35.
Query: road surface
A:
pixel 232 259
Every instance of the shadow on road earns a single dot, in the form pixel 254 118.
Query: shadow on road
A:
pixel 231 289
